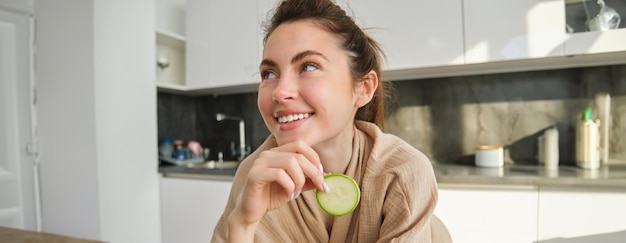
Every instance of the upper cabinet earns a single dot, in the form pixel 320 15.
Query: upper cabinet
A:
pixel 513 29
pixel 596 42
pixel 222 44
pixel 594 28
pixel 421 39
pixel 170 60
pixel 170 45
pixel 413 34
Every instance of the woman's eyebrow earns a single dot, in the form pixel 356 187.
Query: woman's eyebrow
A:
pixel 268 62
pixel 296 58
pixel 306 53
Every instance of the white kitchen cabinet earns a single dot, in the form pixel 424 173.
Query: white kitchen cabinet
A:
pixel 488 213
pixel 593 42
pixel 582 215
pixel 170 61
pixel 222 44
pixel 513 29
pixel 170 16
pixel 596 42
pixel 170 45
pixel 413 34
pixel 190 208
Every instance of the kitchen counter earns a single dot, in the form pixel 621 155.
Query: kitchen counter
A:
pixel 183 171
pixel 611 176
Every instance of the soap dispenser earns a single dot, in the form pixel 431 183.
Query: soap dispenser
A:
pixel 588 141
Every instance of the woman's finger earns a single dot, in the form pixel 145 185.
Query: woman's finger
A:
pixel 298 166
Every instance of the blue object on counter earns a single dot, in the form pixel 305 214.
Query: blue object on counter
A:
pixel 166 140
pixel 166 150
pixel 180 154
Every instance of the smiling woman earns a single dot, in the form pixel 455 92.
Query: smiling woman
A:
pixel 322 99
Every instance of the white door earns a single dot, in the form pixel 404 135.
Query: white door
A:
pixel 17 197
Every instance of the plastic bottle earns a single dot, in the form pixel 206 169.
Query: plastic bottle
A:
pixel 551 149
pixel 588 142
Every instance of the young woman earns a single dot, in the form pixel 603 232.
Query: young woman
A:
pixel 322 98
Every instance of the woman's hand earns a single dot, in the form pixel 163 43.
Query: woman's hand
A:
pixel 278 176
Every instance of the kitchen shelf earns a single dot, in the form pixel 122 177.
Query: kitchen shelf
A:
pixel 171 48
pixel 171 39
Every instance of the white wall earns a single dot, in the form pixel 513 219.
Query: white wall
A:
pixel 66 114
pixel 125 76
pixel 97 118
pixel 25 6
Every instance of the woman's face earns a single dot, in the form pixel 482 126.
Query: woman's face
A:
pixel 307 91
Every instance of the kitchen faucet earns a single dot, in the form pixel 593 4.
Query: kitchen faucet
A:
pixel 242 132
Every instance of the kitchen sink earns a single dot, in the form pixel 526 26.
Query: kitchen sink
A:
pixel 212 164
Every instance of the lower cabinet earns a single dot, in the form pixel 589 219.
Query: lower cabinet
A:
pixel 532 213
pixel 190 208
pixel 582 215
pixel 489 214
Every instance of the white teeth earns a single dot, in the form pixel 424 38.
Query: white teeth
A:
pixel 292 117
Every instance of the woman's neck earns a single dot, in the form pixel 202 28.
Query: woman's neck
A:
pixel 336 153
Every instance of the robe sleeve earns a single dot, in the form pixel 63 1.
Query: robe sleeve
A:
pixel 409 205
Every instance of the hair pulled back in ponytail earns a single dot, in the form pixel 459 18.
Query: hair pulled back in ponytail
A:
pixel 364 52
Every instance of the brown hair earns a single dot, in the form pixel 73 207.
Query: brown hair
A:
pixel 364 52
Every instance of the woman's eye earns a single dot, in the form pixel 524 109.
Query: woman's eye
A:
pixel 268 75
pixel 309 67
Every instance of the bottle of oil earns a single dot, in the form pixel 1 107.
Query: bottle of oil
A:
pixel 588 141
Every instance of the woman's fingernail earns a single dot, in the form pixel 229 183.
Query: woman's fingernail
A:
pixel 326 188
pixel 298 194
pixel 321 168
pixel 293 196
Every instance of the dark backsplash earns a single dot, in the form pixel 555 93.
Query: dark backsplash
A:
pixel 446 118
pixel 193 118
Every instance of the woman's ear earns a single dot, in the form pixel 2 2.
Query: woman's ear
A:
pixel 366 88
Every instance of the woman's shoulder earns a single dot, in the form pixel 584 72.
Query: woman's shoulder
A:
pixel 391 153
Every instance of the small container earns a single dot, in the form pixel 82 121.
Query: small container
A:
pixel 195 148
pixel 551 149
pixel 489 156
pixel 166 150
pixel 206 153
pixel 181 154
pixel 588 142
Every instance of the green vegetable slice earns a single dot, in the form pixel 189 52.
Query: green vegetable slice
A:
pixel 343 197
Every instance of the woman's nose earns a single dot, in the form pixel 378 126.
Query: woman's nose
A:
pixel 286 89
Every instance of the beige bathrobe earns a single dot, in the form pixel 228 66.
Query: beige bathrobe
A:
pixel 398 196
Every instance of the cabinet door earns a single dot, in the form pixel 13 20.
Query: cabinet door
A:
pixel 582 216
pixel 596 42
pixel 513 29
pixel 17 206
pixel 579 14
pixel 488 214
pixel 191 208
pixel 222 43
pixel 413 34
